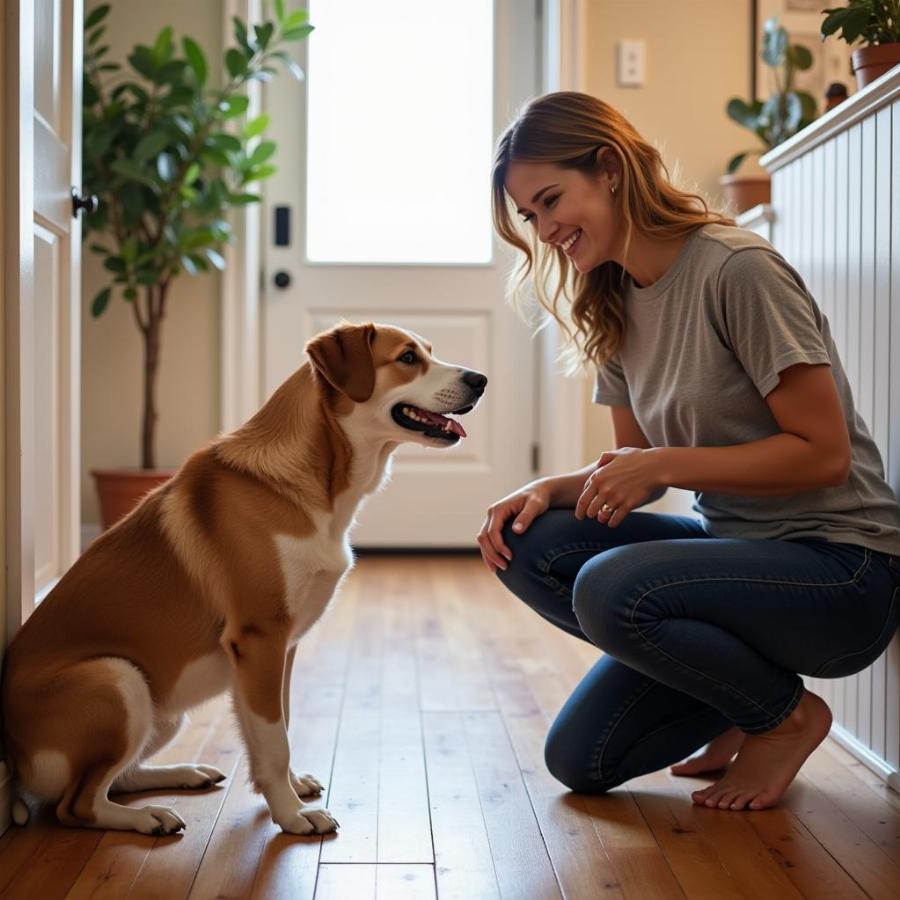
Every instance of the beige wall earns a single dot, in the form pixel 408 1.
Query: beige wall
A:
pixel 697 58
pixel 188 389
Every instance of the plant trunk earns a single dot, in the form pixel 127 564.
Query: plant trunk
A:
pixel 155 298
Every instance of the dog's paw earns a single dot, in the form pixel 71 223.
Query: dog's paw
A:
pixel 313 821
pixel 158 820
pixel 306 786
pixel 199 776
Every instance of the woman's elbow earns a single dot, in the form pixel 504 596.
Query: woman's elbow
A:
pixel 839 469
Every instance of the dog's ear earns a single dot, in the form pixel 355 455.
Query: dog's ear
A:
pixel 343 357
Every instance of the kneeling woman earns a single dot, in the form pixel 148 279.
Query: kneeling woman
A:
pixel 723 379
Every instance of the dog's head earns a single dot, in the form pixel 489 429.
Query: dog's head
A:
pixel 391 379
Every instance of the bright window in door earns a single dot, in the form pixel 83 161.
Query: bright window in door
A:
pixel 400 136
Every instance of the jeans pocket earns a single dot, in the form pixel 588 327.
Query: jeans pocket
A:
pixel 856 661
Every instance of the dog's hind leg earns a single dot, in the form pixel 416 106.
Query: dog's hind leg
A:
pixel 104 709
pixel 189 776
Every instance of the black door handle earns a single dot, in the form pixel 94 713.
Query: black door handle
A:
pixel 88 202
pixel 282 279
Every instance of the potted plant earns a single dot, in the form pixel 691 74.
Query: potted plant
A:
pixel 163 153
pixel 877 24
pixel 786 111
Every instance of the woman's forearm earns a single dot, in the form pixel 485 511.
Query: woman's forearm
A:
pixel 566 489
pixel 776 465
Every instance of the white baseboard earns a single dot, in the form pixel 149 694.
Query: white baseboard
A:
pixel 870 760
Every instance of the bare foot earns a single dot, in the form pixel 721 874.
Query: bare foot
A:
pixel 767 763
pixel 718 753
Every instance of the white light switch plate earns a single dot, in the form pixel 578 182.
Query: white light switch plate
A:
pixel 630 63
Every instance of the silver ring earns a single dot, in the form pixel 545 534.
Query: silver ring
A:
pixel 606 508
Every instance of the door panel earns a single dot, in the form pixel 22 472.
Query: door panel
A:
pixel 435 497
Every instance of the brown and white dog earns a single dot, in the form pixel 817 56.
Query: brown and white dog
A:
pixel 209 583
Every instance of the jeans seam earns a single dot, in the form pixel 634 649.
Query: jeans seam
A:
pixel 856 576
pixel 545 564
pixel 600 749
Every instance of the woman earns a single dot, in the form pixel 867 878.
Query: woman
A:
pixel 723 379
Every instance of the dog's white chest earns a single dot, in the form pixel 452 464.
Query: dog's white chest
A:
pixel 311 569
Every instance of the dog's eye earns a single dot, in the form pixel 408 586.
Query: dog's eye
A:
pixel 409 358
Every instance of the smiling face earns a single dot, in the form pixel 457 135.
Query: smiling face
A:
pixel 569 208
pixel 399 390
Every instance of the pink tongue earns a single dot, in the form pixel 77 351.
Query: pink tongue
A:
pixel 436 419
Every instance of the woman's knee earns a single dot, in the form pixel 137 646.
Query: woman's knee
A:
pixel 602 596
pixel 572 765
pixel 528 550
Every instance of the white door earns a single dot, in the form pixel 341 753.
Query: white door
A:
pixel 57 279
pixel 41 161
pixel 383 159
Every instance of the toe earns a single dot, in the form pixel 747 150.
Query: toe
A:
pixel 726 799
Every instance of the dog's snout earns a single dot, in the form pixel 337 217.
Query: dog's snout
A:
pixel 476 381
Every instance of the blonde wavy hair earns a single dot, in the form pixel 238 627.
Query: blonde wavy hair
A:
pixel 569 129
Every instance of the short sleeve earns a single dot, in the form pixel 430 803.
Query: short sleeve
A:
pixel 610 388
pixel 769 318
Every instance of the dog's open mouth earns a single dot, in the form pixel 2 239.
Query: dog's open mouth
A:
pixel 431 424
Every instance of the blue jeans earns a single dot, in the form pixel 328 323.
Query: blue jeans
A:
pixel 699 633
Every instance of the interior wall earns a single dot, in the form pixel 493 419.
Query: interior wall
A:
pixel 112 356
pixel 692 70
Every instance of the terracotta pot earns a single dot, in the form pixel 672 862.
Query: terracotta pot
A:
pixel 119 490
pixel 870 63
pixel 743 192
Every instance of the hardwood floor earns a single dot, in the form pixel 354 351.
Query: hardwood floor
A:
pixel 422 700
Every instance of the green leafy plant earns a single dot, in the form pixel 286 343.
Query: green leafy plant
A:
pixel 787 110
pixel 871 21
pixel 164 154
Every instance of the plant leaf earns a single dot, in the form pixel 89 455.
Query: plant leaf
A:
pixel 96 16
pixel 100 302
pixel 195 58
pixel 297 34
pixel 215 258
pixel 235 62
pixel 262 152
pixel 297 17
pixel 165 165
pixel 259 173
pixel 256 126
pixel 234 106
pixel 150 144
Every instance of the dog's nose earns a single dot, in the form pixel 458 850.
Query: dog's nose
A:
pixel 476 381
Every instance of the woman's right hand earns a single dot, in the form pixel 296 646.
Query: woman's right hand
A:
pixel 526 504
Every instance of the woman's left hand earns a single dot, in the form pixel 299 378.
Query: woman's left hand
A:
pixel 622 480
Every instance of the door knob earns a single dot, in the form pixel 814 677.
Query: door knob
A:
pixel 89 202
pixel 282 279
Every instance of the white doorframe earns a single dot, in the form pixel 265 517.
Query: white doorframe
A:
pixel 560 398
pixel 561 416
pixel 240 389
pixel 18 297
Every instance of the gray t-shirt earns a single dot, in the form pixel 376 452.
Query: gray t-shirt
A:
pixel 703 346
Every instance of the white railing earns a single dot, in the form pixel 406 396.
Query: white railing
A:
pixel 835 216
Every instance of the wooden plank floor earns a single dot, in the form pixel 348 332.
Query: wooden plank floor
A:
pixel 422 700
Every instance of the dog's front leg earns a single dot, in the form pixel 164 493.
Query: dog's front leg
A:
pixel 258 659
pixel 305 785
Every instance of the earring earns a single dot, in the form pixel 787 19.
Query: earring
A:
pixel 612 188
